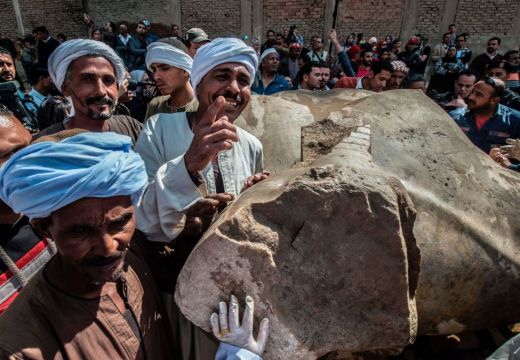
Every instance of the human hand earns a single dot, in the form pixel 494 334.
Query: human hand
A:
pixel 512 150
pixel 86 19
pixel 256 178
pixel 333 36
pixel 458 103
pixel 500 158
pixel 211 136
pixel 200 215
pixel 226 327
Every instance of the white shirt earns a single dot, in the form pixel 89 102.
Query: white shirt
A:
pixel 162 144
pixel 359 83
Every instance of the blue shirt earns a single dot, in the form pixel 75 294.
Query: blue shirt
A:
pixel 37 97
pixel 504 124
pixel 278 84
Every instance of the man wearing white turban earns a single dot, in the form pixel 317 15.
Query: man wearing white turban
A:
pixel 98 297
pixel 171 69
pixel 198 162
pixel 90 73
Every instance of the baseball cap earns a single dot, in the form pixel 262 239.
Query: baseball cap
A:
pixel 295 46
pixel 414 41
pixel 196 35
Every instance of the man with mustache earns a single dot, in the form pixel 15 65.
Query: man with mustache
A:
pixel 90 73
pixel 481 62
pixel 486 122
pixel 267 81
pixel 98 298
pixel 171 69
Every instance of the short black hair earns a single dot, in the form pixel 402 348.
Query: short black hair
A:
pixel 509 53
pixel 36 72
pixel 307 68
pixel 270 31
pixel 469 72
pixel 447 33
pixel 42 29
pixel 365 50
pixel 379 66
pixel 62 36
pixel 281 35
pixel 495 38
pixel 4 51
pixel 495 64
pixel 499 87
pixel 451 25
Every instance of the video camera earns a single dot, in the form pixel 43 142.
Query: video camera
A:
pixel 9 98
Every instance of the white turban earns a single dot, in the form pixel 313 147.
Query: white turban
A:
pixel 71 50
pixel 162 53
pixel 220 51
pixel 47 176
pixel 268 52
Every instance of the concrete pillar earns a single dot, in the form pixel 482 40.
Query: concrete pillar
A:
pixel 448 15
pixel 246 27
pixel 409 19
pixel 327 23
pixel 18 15
pixel 175 13
pixel 258 19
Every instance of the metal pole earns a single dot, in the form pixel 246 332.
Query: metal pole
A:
pixel 334 17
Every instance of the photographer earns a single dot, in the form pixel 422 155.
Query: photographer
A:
pixel 12 97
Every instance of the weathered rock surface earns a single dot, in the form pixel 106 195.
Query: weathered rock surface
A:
pixel 329 247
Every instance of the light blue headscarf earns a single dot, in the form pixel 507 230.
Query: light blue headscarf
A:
pixel 46 176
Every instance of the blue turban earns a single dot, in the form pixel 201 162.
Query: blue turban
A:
pixel 46 176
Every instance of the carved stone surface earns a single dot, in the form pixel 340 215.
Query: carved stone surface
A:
pixel 329 247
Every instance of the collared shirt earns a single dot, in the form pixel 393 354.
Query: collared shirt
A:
pixel 278 84
pixel 505 123
pixel 161 105
pixel 37 97
pixel 171 191
pixel 124 39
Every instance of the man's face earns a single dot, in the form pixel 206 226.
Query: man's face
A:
pixel 294 52
pixel 317 44
pixel 192 50
pixel 36 36
pixel 175 30
pixel 461 42
pixel 140 29
pixel 367 58
pixel 279 40
pixel 446 39
pixel 452 29
pixel 230 80
pixel 92 87
pixel 492 46
pixel 108 27
pixel 499 73
pixel 418 85
pixel 92 236
pixel 123 29
pixel 325 76
pixel 314 80
pixel 270 63
pixel 270 37
pixel 464 85
pixel 514 59
pixel 396 79
pixel 481 97
pixel 7 69
pixel 378 81
pixel 168 78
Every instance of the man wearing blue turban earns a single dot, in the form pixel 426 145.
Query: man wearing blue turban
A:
pixel 97 298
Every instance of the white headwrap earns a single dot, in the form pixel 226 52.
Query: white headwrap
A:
pixel 220 51
pixel 46 176
pixel 71 50
pixel 268 52
pixel 162 53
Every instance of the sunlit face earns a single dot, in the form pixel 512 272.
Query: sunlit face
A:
pixel 92 87
pixel 7 69
pixel 378 81
pixel 168 78
pixel 93 242
pixel 230 80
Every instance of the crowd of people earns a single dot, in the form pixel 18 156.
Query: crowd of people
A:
pixel 122 149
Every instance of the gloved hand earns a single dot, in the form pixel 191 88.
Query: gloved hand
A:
pixel 226 327
pixel 512 150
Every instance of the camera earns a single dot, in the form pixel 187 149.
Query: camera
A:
pixel 10 99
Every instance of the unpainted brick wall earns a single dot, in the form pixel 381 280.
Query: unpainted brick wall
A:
pixel 429 16
pixel 217 18
pixel 486 17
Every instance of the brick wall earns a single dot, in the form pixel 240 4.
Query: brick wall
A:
pixel 429 16
pixel 306 15
pixel 487 17
pixel 217 18
pixel 7 19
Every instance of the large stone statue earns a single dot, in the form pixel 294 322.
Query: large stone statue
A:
pixel 329 244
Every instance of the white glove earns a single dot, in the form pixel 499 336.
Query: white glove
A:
pixel 512 150
pixel 228 330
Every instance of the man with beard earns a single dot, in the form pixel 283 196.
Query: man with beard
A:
pixel 501 70
pixel 267 81
pixel 462 87
pixel 317 53
pixel 24 252
pixel 137 46
pixel 23 106
pixel 481 62
pixel 379 74
pixel 171 69
pixel 399 73
pixel 289 65
pixel 485 122
pixel 90 73
pixel 98 298
pixel 366 62
pixel 312 77
pixel 512 60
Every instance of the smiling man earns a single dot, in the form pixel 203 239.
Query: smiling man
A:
pixel 171 69
pixel 90 73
